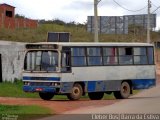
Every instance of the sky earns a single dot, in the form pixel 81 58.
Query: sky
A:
pixel 78 10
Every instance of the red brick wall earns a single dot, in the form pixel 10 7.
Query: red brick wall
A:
pixel 12 23
pixel 9 23
pixel 25 23
pixel 0 22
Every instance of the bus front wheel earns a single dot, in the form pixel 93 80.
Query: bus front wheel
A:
pixel 124 92
pixel 76 92
pixel 96 95
pixel 46 96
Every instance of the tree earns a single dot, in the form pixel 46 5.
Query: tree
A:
pixel 19 16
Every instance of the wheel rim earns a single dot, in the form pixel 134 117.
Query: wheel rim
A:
pixel 125 90
pixel 76 91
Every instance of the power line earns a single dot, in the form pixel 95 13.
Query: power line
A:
pixel 157 1
pixel 98 1
pixel 154 5
pixel 129 9
pixel 156 9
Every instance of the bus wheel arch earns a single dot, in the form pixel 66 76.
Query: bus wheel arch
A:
pixel 76 92
pixel 125 90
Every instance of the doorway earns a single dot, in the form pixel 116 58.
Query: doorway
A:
pixel 0 69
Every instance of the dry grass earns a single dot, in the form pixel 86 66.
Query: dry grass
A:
pixel 77 34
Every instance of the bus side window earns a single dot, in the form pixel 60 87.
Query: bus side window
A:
pixel 150 55
pixel 125 55
pixel 94 56
pixel 110 56
pixel 78 56
pixel 140 56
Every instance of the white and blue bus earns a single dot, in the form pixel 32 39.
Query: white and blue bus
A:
pixel 74 69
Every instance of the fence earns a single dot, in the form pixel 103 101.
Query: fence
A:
pixel 12 23
pixel 157 55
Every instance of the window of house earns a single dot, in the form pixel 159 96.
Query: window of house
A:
pixel 9 13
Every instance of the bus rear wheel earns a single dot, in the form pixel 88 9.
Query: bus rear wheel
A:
pixel 96 95
pixel 76 92
pixel 46 96
pixel 124 91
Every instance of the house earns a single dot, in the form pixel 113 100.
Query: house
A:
pixel 8 20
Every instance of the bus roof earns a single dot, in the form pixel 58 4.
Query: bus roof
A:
pixel 91 44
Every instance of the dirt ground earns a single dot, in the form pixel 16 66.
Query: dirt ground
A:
pixel 57 106
pixel 60 106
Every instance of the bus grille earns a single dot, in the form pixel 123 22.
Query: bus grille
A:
pixel 41 84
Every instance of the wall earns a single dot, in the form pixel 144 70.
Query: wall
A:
pixel 12 60
pixel 25 23
pixel 120 24
pixel 12 23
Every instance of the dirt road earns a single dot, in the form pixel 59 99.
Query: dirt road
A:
pixel 57 106
pixel 147 101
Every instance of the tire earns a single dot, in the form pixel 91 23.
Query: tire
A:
pixel 108 92
pixel 46 96
pixel 124 92
pixel 76 92
pixel 117 95
pixel 96 95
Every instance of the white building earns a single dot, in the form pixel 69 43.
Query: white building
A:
pixel 11 60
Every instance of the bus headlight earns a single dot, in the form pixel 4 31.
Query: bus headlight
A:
pixel 55 84
pixel 26 83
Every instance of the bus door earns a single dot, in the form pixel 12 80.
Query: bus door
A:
pixel 66 61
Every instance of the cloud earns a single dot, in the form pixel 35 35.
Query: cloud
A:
pixel 80 5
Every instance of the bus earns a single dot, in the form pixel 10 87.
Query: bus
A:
pixel 74 69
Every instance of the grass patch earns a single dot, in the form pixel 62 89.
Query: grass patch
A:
pixel 16 109
pixel 8 89
pixel 23 112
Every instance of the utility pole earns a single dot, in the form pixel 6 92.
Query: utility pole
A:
pixel 148 23
pixel 96 21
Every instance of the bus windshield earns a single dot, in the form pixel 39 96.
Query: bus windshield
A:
pixel 43 60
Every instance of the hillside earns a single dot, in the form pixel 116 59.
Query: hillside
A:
pixel 78 33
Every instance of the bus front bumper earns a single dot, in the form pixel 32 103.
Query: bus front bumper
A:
pixel 39 89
